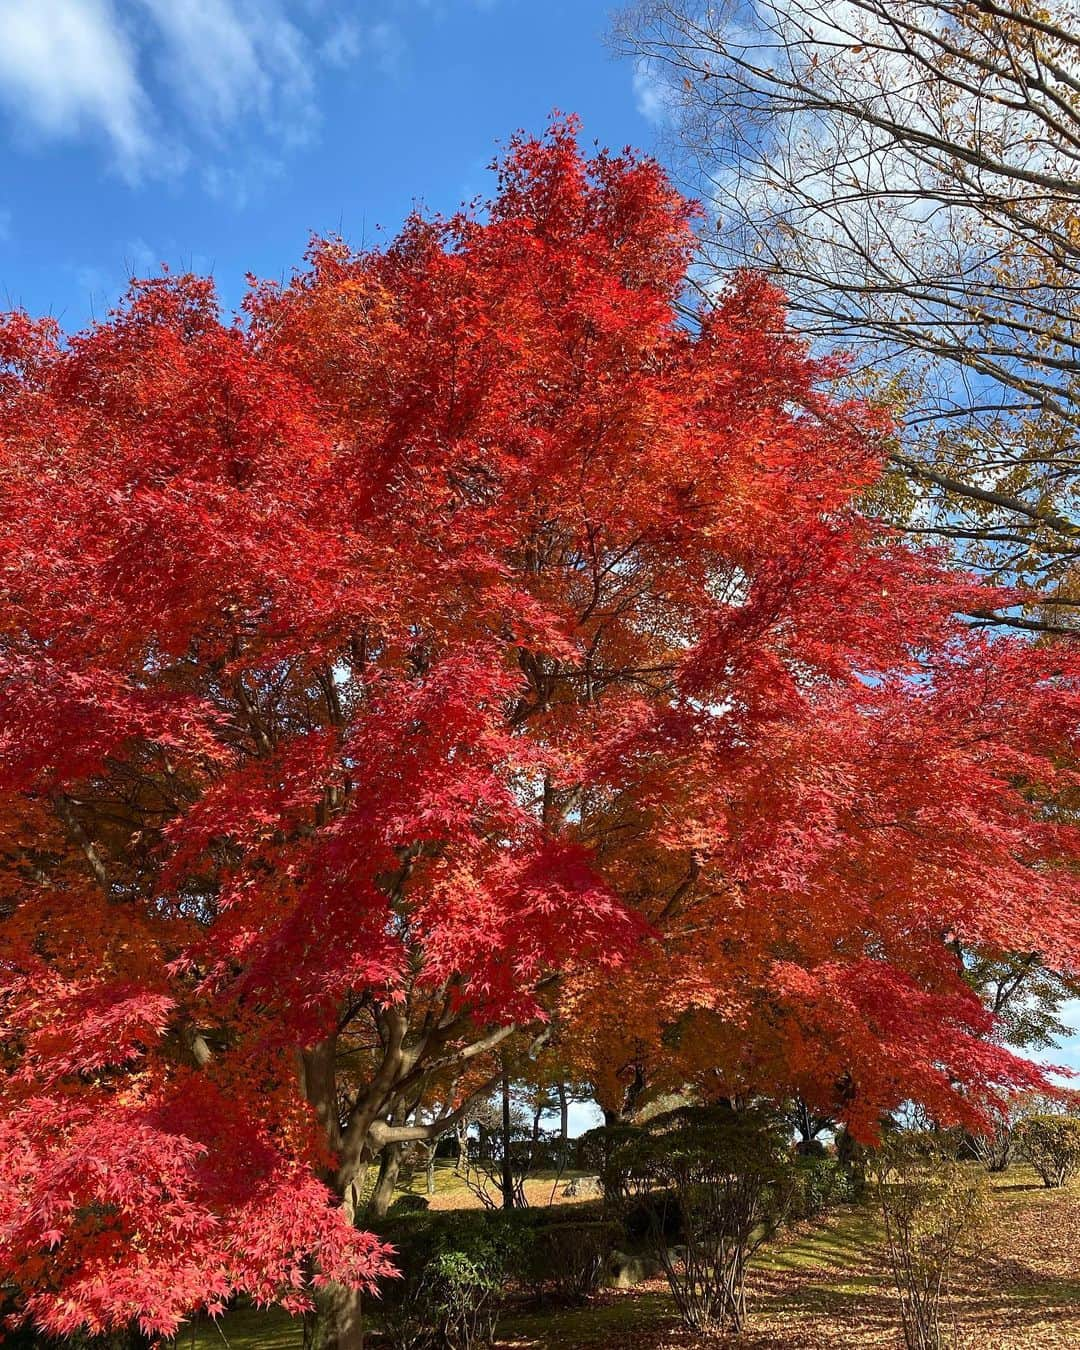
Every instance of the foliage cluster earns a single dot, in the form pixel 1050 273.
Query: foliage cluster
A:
pixel 821 1184
pixel 455 1268
pixel 569 1258
pixel 458 1266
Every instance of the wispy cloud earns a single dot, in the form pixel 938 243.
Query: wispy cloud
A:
pixel 225 59
pixel 381 44
pixel 68 67
pixel 167 84
pixel 653 96
pixel 344 43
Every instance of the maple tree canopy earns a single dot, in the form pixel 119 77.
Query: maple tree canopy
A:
pixel 458 638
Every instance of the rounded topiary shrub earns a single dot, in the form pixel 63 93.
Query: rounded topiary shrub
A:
pixel 409 1204
pixel 731 1176
pixel 568 1258
pixel 822 1183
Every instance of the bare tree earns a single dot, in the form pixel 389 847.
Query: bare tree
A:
pixel 908 170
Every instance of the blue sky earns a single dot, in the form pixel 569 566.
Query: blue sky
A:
pixel 217 134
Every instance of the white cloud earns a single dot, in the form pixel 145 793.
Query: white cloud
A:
pixel 652 94
pixel 344 43
pixel 380 44
pixel 166 84
pixel 66 67
pixel 140 259
pixel 224 59
pixel 388 46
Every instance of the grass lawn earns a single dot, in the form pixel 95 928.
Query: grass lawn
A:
pixel 451 1192
pixel 824 1286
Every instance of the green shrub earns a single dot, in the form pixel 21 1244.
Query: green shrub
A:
pixel 1052 1145
pixel 732 1177
pixel 647 1218
pixel 455 1268
pixel 409 1204
pixel 595 1149
pixel 567 1258
pixel 934 1207
pixel 822 1183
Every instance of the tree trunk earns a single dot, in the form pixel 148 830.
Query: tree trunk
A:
pixel 383 1194
pixel 804 1125
pixel 564 1113
pixel 507 1168
pixel 339 1324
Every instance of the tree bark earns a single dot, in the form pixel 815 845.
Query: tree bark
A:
pixel 383 1194
pixel 340 1323
pixel 507 1168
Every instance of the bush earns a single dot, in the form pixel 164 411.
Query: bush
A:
pixel 595 1149
pixel 822 1183
pixel 646 1218
pixel 567 1258
pixel 408 1204
pixel 455 1269
pixel 1052 1145
pixel 933 1206
pixel 732 1177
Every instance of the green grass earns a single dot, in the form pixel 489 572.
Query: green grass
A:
pixel 448 1182
pixel 600 1322
pixel 839 1242
pixel 244 1329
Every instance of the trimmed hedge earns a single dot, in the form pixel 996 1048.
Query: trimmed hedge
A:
pixel 822 1183
pixel 567 1259
pixel 455 1266
pixel 409 1204
pixel 458 1265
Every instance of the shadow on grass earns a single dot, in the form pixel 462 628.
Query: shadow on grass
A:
pixel 841 1241
pixel 243 1329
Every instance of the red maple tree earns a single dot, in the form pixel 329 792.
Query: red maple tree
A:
pixel 460 636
